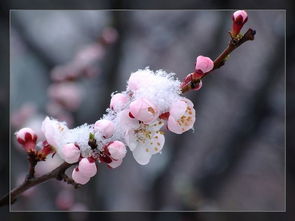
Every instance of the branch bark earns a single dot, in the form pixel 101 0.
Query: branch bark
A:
pixel 58 173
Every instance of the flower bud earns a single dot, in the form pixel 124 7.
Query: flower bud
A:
pixel 115 163
pixel 78 177
pixel 203 65
pixel 117 150
pixel 105 127
pixel 71 153
pixel 45 151
pixel 143 110
pixel 27 138
pixel 119 101
pixel 87 167
pixel 239 18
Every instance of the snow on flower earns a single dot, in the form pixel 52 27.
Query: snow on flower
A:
pixel 119 101
pixel 134 119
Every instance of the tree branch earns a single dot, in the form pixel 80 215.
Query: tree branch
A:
pixel 220 60
pixel 58 173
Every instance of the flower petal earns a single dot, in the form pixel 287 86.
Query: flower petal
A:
pixel 157 142
pixel 141 155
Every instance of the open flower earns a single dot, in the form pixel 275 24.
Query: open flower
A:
pixel 105 128
pixel 143 110
pixel 145 141
pixel 27 138
pixel 182 116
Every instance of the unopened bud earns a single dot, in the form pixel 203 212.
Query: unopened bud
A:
pixel 27 138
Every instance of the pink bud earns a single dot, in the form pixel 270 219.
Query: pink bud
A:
pixel 182 116
pixel 203 64
pixel 239 18
pixel 27 138
pixel 105 127
pixel 71 153
pixel 119 101
pixel 143 110
pixel 87 167
pixel 117 150
pixel 115 163
pixel 78 177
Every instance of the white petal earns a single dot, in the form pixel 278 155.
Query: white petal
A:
pixel 157 142
pixel 131 139
pixel 141 155
pixel 178 108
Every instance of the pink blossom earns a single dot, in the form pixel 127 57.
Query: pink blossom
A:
pixel 27 138
pixel 105 127
pixel 145 141
pixel 119 101
pixel 117 150
pixel 87 167
pixel 203 65
pixel 182 116
pixel 143 110
pixel 79 177
pixel 71 153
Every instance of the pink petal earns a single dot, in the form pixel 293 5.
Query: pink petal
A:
pixel 71 153
pixel 115 163
pixel 105 127
pixel 242 13
pixel 117 150
pixel 173 126
pixel 87 168
pixel 78 177
pixel 205 64
pixel 177 109
pixel 143 110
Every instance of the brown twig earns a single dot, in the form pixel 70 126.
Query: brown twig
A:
pixel 58 173
pixel 220 60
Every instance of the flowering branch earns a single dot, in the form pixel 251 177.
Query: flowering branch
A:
pixel 134 119
pixel 221 59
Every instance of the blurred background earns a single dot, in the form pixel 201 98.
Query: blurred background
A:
pixel 67 63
